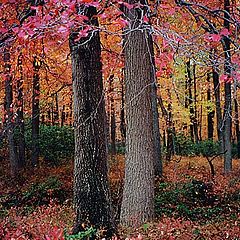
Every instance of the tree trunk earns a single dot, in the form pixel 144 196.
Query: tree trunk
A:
pixel 56 112
pixel 122 114
pixel 217 96
pixel 91 190
pixel 236 122
pixel 9 117
pixel 195 121
pixel 156 131
pixel 20 119
pixel 210 113
pixel 138 192
pixel 192 103
pixel 227 123
pixel 35 111
pixel 112 117
pixel 63 116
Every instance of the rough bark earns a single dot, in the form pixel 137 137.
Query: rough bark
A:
pixel 20 118
pixel 9 120
pixel 91 191
pixel 138 192
pixel 35 111
pixel 227 119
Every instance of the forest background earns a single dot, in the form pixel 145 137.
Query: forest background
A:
pixel 187 89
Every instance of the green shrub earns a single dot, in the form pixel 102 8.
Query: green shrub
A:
pixel 185 147
pixel 36 195
pixel 90 233
pixel 55 142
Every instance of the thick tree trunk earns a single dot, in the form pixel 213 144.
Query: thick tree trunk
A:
pixel 20 119
pixel 138 193
pixel 9 120
pixel 91 191
pixel 227 123
pixel 35 111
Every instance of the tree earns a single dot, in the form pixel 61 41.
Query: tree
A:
pixel 35 111
pixel 9 117
pixel 138 192
pixel 19 117
pixel 91 191
pixel 227 119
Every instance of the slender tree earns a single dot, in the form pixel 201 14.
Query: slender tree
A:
pixel 35 111
pixel 227 118
pixel 19 117
pixel 211 112
pixel 91 191
pixel 9 117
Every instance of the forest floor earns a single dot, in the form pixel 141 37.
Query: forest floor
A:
pixel 190 204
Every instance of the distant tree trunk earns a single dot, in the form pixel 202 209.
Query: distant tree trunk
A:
pixel 91 190
pixel 56 112
pixel 227 123
pixel 210 113
pixel 192 102
pixel 112 117
pixel 195 121
pixel 49 115
pixel 156 131
pixel 122 114
pixel 170 134
pixel 138 192
pixel 9 117
pixel 35 111
pixel 236 122
pixel 20 119
pixel 63 116
pixel 217 95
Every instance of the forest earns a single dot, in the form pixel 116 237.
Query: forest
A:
pixel 119 119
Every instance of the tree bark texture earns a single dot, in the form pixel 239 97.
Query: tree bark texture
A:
pixel 227 118
pixel 138 192
pixel 20 118
pixel 9 124
pixel 91 190
pixel 35 111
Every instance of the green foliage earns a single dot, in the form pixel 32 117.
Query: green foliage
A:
pixel 193 200
pixel 36 195
pixel 89 233
pixel 55 142
pixel 185 147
